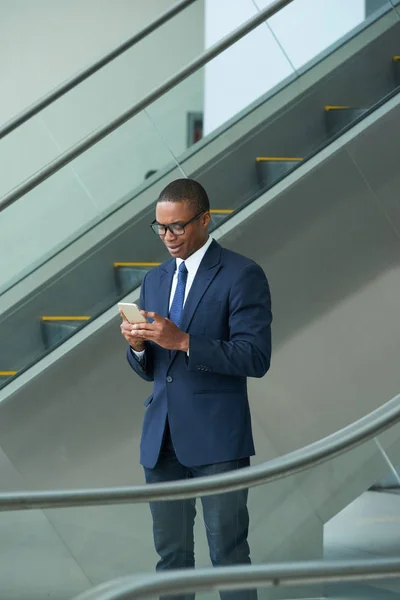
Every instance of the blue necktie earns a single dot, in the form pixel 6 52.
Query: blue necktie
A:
pixel 175 312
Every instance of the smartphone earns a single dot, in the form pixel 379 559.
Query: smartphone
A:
pixel 131 312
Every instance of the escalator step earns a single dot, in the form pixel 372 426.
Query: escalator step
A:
pixel 65 318
pixel 338 117
pixel 396 69
pixel 5 377
pixel 129 275
pixel 271 169
pixel 56 329
pixel 218 215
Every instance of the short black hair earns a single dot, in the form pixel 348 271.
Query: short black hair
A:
pixel 188 190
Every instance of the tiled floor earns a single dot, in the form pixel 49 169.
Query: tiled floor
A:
pixel 368 528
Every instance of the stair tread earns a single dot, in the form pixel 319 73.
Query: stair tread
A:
pixel 278 159
pixel 136 264
pixel 66 318
pixel 329 107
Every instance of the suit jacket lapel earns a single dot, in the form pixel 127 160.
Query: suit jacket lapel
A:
pixel 207 270
pixel 164 291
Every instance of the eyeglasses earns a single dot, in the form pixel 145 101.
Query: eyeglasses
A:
pixel 174 228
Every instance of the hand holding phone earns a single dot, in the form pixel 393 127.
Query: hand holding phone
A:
pixel 131 312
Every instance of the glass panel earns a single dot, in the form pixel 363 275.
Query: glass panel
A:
pixel 115 167
pixel 103 96
pixel 368 527
pixel 291 127
pixel 229 83
pixel 306 29
pixel 77 196
pixel 83 547
pixel 273 54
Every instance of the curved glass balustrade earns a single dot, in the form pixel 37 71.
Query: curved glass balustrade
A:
pixel 294 518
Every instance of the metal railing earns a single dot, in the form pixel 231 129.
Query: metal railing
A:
pixel 92 139
pixel 294 462
pixel 71 83
pixel 244 577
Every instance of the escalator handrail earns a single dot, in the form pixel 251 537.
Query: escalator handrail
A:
pixel 69 155
pixel 78 78
pixel 291 463
pixel 241 577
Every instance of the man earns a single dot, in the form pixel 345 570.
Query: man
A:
pixel 209 329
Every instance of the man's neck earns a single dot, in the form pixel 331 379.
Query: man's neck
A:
pixel 199 248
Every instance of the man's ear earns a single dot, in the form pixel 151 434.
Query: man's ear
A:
pixel 206 218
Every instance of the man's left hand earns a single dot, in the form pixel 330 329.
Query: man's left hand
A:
pixel 162 331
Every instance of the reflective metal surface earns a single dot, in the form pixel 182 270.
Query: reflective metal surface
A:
pixel 240 578
pixel 297 461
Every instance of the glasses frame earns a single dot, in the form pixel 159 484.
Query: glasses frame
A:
pixel 168 227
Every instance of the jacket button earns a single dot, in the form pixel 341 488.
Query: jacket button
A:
pixel 169 379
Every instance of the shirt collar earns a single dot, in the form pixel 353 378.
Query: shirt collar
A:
pixel 193 262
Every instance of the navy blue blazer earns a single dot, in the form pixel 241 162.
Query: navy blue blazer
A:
pixel 228 316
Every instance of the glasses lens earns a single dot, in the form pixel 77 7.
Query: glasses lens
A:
pixel 177 229
pixel 158 229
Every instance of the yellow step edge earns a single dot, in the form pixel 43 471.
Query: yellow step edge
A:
pixel 63 318
pixel 277 159
pixel 221 211
pixel 137 264
pixel 333 107
pixel 7 373
pixel 396 58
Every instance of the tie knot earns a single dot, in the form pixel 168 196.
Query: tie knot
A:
pixel 182 269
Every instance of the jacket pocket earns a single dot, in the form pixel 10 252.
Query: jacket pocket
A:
pixel 148 401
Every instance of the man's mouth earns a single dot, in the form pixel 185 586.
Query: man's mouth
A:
pixel 174 248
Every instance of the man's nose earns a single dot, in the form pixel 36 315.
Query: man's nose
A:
pixel 169 236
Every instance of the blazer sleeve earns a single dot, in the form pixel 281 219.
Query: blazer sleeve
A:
pixel 145 367
pixel 248 351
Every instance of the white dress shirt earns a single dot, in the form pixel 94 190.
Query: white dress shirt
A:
pixel 192 264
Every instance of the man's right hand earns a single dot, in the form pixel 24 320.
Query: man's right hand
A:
pixel 126 330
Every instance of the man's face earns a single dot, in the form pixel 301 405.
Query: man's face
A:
pixel 195 236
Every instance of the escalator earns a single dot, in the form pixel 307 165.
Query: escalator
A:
pixel 305 182
pixel 278 134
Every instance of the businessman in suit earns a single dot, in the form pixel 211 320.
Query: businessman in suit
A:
pixel 209 315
